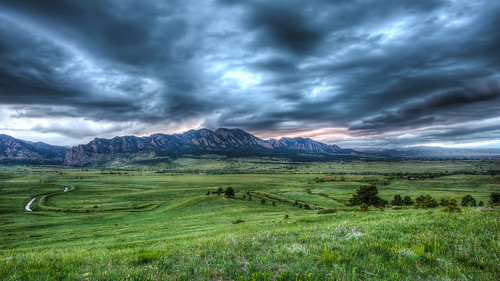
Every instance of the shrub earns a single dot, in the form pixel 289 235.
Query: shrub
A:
pixel 249 197
pixel 443 202
pixel 307 207
pixel 263 201
pixel 364 207
pixel 397 201
pixel 286 216
pixel 219 191
pixel 274 203
pixel 238 221
pixel 407 201
pixel 452 207
pixel 326 211
pixel 229 192
pixel 468 200
pixel 481 203
pixel 208 193
pixel 494 199
pixel 368 195
pixel 425 202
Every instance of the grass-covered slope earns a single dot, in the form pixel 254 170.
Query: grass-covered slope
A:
pixel 144 225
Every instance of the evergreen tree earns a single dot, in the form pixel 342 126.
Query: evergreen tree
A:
pixel 407 201
pixel 443 202
pixel 368 195
pixel 397 201
pixel 425 202
pixel 219 191
pixel 452 207
pixel 494 199
pixel 229 192
pixel 468 200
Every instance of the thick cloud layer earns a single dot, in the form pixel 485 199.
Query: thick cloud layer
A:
pixel 350 72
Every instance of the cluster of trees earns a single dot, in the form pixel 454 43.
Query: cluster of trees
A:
pixel 367 196
pixel 399 201
pixel 229 192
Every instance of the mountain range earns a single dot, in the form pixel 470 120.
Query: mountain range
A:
pixel 221 141
pixel 229 142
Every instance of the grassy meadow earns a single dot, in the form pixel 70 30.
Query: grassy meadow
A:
pixel 157 222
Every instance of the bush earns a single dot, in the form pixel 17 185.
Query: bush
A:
pixel 468 200
pixel 425 202
pixel 397 201
pixel 285 217
pixel 443 202
pixel 274 203
pixel 407 201
pixel 208 193
pixel 494 199
pixel 307 207
pixel 452 207
pixel 367 195
pixel 229 192
pixel 219 191
pixel 481 203
pixel 238 221
pixel 364 207
pixel 263 201
pixel 327 211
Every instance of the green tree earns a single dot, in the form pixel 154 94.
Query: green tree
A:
pixel 468 200
pixel 494 199
pixel 443 202
pixel 425 202
pixel 219 191
pixel 397 201
pixel 368 195
pixel 407 201
pixel 481 203
pixel 229 192
pixel 452 207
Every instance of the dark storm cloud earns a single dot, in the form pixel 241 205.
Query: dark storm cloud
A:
pixel 379 69
pixel 434 108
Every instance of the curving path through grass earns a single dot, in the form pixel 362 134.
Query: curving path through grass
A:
pixel 28 206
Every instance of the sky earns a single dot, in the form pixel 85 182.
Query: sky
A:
pixel 355 73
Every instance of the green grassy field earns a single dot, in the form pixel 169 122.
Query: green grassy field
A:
pixel 158 223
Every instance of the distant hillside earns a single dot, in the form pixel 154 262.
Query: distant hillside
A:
pixel 223 141
pixel 433 152
pixel 20 151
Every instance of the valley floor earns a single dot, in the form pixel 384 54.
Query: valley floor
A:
pixel 150 224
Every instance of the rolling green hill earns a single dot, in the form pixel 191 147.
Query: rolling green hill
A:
pixel 158 223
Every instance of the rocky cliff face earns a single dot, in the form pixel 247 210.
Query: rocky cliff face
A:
pixel 16 149
pixel 193 141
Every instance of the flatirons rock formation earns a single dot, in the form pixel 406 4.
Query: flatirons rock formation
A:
pixel 226 141
pixel 16 149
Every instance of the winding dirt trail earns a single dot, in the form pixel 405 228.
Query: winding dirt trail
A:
pixel 28 206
